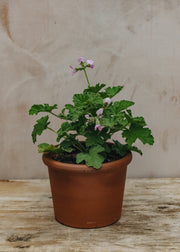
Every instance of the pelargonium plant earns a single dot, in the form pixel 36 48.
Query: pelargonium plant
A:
pixel 94 117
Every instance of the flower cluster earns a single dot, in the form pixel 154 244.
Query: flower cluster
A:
pixel 84 63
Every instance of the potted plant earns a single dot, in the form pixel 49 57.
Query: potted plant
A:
pixel 87 168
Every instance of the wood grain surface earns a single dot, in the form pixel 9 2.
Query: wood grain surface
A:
pixel 150 220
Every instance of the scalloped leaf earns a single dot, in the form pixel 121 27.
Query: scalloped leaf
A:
pixel 138 132
pixel 111 91
pixel 93 158
pixel 45 147
pixel 36 108
pixel 39 127
pixel 95 89
pixel 121 105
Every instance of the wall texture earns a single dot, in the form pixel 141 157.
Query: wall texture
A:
pixel 133 42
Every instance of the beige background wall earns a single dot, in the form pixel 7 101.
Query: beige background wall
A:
pixel 133 42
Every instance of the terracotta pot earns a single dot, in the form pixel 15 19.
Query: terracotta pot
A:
pixel 85 197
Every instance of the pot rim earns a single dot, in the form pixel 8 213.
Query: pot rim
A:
pixel 108 166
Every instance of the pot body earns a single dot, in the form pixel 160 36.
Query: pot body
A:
pixel 84 197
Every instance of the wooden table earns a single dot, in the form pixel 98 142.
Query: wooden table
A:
pixel 150 220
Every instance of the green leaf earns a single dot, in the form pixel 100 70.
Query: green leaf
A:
pixel 108 122
pixel 135 131
pixel 120 149
pixel 123 149
pixel 95 89
pixel 93 139
pixel 106 148
pixel 45 147
pixel 74 112
pixel 80 100
pixel 66 145
pixel 36 108
pixel 96 149
pixel 94 99
pixel 62 114
pixel 42 147
pixel 129 112
pixel 105 134
pixel 39 127
pixel 65 127
pixel 69 106
pixel 120 105
pixel 134 148
pixel 111 91
pixel 93 158
pixel 115 122
pixel 139 121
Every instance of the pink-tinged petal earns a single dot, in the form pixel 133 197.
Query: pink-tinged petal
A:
pixel 99 112
pixel 74 71
pixel 81 59
pixel 90 62
pixel 91 66
pixel 107 100
pixel 98 126
pixel 87 117
pixel 71 67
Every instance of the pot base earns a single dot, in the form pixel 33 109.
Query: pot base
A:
pixel 87 225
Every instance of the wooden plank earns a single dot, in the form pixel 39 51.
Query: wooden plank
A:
pixel 150 220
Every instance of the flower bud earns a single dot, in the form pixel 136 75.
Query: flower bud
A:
pixel 74 70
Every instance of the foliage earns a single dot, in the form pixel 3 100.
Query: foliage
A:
pixel 95 116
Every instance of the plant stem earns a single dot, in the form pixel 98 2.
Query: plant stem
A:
pixel 54 114
pixel 77 147
pixel 81 146
pixel 86 77
pixel 52 130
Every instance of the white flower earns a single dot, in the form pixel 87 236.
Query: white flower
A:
pixel 81 59
pixel 99 112
pixel 107 100
pixel 91 63
pixel 87 116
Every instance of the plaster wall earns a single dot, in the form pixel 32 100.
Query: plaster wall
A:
pixel 135 43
